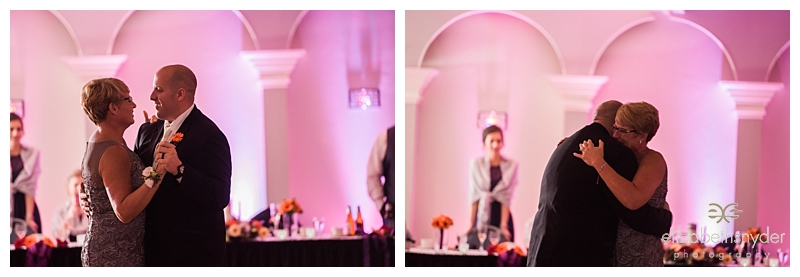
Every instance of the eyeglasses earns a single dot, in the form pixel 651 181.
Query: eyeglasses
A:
pixel 621 130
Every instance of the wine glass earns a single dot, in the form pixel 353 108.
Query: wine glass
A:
pixel 494 237
pixel 319 225
pixel 20 228
pixel 482 236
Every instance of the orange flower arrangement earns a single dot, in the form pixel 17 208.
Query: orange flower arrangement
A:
pixel 289 206
pixel 231 222
pixel 752 233
pixel 442 222
pixel 504 247
pixel 178 137
pixel 255 224
pixel 32 239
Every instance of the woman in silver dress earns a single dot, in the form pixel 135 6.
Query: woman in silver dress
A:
pixel 113 180
pixel 634 126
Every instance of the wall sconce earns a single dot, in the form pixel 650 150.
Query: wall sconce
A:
pixel 489 118
pixel 18 107
pixel 364 98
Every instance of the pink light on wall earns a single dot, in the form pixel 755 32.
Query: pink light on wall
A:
pixel 329 143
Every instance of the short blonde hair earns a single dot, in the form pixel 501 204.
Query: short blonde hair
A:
pixel 98 93
pixel 641 116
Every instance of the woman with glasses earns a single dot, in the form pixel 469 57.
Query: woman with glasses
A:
pixel 25 171
pixel 492 181
pixel 634 126
pixel 113 181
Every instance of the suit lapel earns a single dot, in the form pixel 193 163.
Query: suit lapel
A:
pixel 151 137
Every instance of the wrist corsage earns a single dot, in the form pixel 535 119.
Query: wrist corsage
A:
pixel 150 176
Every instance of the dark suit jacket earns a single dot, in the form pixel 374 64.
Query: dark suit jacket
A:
pixel 576 224
pixel 185 223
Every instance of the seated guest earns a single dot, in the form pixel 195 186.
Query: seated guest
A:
pixel 69 219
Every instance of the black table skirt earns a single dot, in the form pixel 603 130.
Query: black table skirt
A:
pixel 59 257
pixel 419 260
pixel 369 251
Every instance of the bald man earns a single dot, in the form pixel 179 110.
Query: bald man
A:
pixel 576 224
pixel 184 222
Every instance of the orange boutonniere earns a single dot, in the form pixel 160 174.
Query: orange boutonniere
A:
pixel 178 137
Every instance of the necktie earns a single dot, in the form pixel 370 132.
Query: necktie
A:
pixel 166 137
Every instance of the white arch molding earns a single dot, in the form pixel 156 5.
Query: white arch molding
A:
pixel 636 23
pixel 775 61
pixel 115 34
pixel 516 15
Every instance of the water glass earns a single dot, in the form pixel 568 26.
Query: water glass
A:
pixel 20 229
pixel 494 237
pixel 482 236
pixel 319 225
pixel 463 246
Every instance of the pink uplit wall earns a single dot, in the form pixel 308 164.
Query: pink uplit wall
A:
pixel 53 118
pixel 663 58
pixel 329 143
pixel 773 199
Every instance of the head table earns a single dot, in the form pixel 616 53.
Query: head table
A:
pixel 350 251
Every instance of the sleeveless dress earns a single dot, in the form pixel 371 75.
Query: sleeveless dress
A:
pixel 495 174
pixel 109 242
pixel 19 209
pixel 636 249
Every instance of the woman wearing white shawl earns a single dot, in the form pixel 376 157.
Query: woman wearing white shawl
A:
pixel 492 181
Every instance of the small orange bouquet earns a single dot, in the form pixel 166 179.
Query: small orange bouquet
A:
pixel 753 234
pixel 442 222
pixel 289 206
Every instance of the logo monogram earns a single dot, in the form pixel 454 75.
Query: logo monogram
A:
pixel 722 216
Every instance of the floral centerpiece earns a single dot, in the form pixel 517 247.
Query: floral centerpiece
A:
pixel 509 254
pixel 236 229
pixel 288 209
pixel 751 242
pixel 441 222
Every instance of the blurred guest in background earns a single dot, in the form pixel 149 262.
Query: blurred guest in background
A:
pixel 381 164
pixel 69 220
pixel 492 180
pixel 25 170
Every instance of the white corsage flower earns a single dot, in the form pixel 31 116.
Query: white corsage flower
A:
pixel 150 176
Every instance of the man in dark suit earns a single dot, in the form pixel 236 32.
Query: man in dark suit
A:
pixel 576 224
pixel 184 223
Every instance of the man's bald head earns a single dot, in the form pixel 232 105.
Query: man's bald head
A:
pixel 180 76
pixel 606 113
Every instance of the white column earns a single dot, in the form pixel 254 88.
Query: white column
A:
pixel 751 99
pixel 274 68
pixel 93 67
pixel 417 79
pixel 577 92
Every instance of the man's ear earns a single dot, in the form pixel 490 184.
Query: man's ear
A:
pixel 181 94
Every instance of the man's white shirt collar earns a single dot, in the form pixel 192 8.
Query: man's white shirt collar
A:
pixel 175 125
